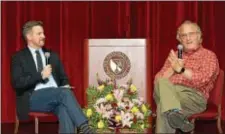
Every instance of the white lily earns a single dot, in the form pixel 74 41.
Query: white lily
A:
pixel 108 106
pixel 137 101
pixel 121 105
pixel 130 104
pixel 126 119
pixel 101 100
pixel 140 115
pixel 100 109
pixel 107 114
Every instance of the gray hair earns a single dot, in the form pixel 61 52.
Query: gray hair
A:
pixel 189 23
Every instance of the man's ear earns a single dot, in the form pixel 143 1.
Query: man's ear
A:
pixel 29 36
pixel 200 38
pixel 178 38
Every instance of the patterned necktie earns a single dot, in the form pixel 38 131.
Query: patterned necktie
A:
pixel 39 61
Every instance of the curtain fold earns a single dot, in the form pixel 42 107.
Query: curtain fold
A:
pixel 68 24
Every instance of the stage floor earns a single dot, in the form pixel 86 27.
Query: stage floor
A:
pixel 202 127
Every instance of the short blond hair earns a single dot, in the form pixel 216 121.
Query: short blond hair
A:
pixel 189 23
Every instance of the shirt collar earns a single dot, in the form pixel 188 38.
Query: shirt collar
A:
pixel 33 49
pixel 194 51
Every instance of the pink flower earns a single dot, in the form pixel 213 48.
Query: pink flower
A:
pixel 118 94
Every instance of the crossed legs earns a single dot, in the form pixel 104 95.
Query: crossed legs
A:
pixel 61 102
pixel 169 97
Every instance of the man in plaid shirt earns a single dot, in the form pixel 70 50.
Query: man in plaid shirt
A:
pixel 182 86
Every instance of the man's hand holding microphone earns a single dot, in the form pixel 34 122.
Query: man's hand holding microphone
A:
pixel 46 72
pixel 176 61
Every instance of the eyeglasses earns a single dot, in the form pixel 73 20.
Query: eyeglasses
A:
pixel 190 34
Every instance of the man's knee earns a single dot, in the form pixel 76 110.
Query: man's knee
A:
pixel 162 80
pixel 67 92
pixel 159 82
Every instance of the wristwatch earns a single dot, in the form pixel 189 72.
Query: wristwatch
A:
pixel 181 71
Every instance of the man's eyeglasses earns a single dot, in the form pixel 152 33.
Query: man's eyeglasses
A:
pixel 190 34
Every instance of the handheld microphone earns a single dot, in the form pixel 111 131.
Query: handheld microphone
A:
pixel 180 51
pixel 47 55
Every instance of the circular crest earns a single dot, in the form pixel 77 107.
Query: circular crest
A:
pixel 116 65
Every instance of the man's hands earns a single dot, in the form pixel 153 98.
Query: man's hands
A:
pixel 46 72
pixel 176 64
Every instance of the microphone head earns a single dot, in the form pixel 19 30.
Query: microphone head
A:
pixel 180 47
pixel 47 55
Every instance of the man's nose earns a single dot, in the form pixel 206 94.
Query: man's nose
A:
pixel 188 37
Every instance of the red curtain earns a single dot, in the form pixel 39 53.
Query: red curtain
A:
pixel 67 24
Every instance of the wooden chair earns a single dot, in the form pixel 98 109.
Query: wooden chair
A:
pixel 213 110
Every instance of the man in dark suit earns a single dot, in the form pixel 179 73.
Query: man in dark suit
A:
pixel 41 84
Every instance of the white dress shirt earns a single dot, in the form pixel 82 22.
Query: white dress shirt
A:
pixel 51 82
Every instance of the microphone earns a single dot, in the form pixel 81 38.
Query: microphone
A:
pixel 180 51
pixel 47 55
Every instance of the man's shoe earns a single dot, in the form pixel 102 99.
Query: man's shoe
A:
pixel 178 121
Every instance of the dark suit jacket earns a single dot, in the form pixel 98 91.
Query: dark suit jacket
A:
pixel 24 77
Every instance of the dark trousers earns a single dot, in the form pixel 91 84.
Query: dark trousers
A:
pixel 62 103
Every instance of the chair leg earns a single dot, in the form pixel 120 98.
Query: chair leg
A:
pixel 193 121
pixel 16 125
pixel 36 125
pixel 219 125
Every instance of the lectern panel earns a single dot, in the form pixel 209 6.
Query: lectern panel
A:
pixel 121 59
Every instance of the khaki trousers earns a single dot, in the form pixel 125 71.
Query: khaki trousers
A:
pixel 169 96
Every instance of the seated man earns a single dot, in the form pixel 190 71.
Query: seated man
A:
pixel 41 84
pixel 182 86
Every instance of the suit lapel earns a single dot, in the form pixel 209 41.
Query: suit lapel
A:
pixel 29 60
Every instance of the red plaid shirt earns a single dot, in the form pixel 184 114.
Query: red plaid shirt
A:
pixel 205 68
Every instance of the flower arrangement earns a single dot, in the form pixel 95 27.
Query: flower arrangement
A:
pixel 116 107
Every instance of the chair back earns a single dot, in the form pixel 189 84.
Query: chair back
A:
pixel 215 95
